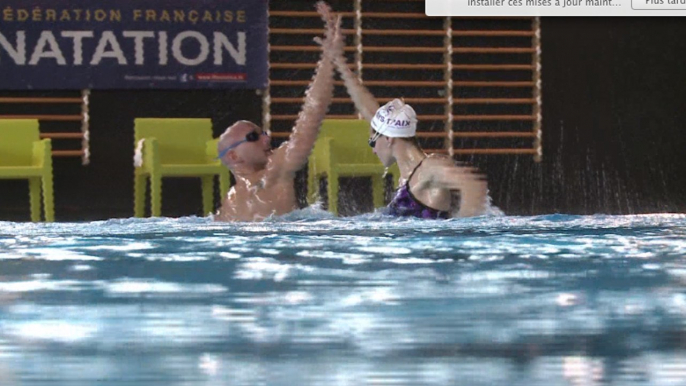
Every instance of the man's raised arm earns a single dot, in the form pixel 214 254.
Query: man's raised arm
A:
pixel 292 156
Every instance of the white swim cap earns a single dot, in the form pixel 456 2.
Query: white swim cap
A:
pixel 395 119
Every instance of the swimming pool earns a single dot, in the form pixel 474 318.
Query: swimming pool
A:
pixel 311 299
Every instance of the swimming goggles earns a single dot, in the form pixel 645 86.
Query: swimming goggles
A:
pixel 252 136
pixel 374 138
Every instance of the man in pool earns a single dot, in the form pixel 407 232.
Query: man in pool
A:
pixel 264 176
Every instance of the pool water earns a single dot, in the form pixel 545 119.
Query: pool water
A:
pixel 309 299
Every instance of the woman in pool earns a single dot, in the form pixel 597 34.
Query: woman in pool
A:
pixel 427 182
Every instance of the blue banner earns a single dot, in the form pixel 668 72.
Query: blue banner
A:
pixel 124 44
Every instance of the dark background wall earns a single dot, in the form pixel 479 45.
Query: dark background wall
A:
pixel 613 115
pixel 613 121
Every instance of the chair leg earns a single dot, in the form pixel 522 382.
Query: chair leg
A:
pixel 332 192
pixel 224 185
pixel 312 184
pixel 378 191
pixel 34 197
pixel 139 188
pixel 207 194
pixel 48 198
pixel 312 189
pixel 156 194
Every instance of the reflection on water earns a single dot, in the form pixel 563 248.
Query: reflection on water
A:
pixel 310 300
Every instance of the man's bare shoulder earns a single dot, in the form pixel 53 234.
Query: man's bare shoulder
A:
pixel 275 165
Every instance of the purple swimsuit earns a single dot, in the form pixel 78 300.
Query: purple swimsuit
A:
pixel 405 204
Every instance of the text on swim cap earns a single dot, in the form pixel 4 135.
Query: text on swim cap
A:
pixel 391 121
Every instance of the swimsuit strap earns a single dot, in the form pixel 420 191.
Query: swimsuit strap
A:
pixel 412 174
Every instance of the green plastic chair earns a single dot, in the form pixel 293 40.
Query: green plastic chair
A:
pixel 341 150
pixel 23 155
pixel 176 147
